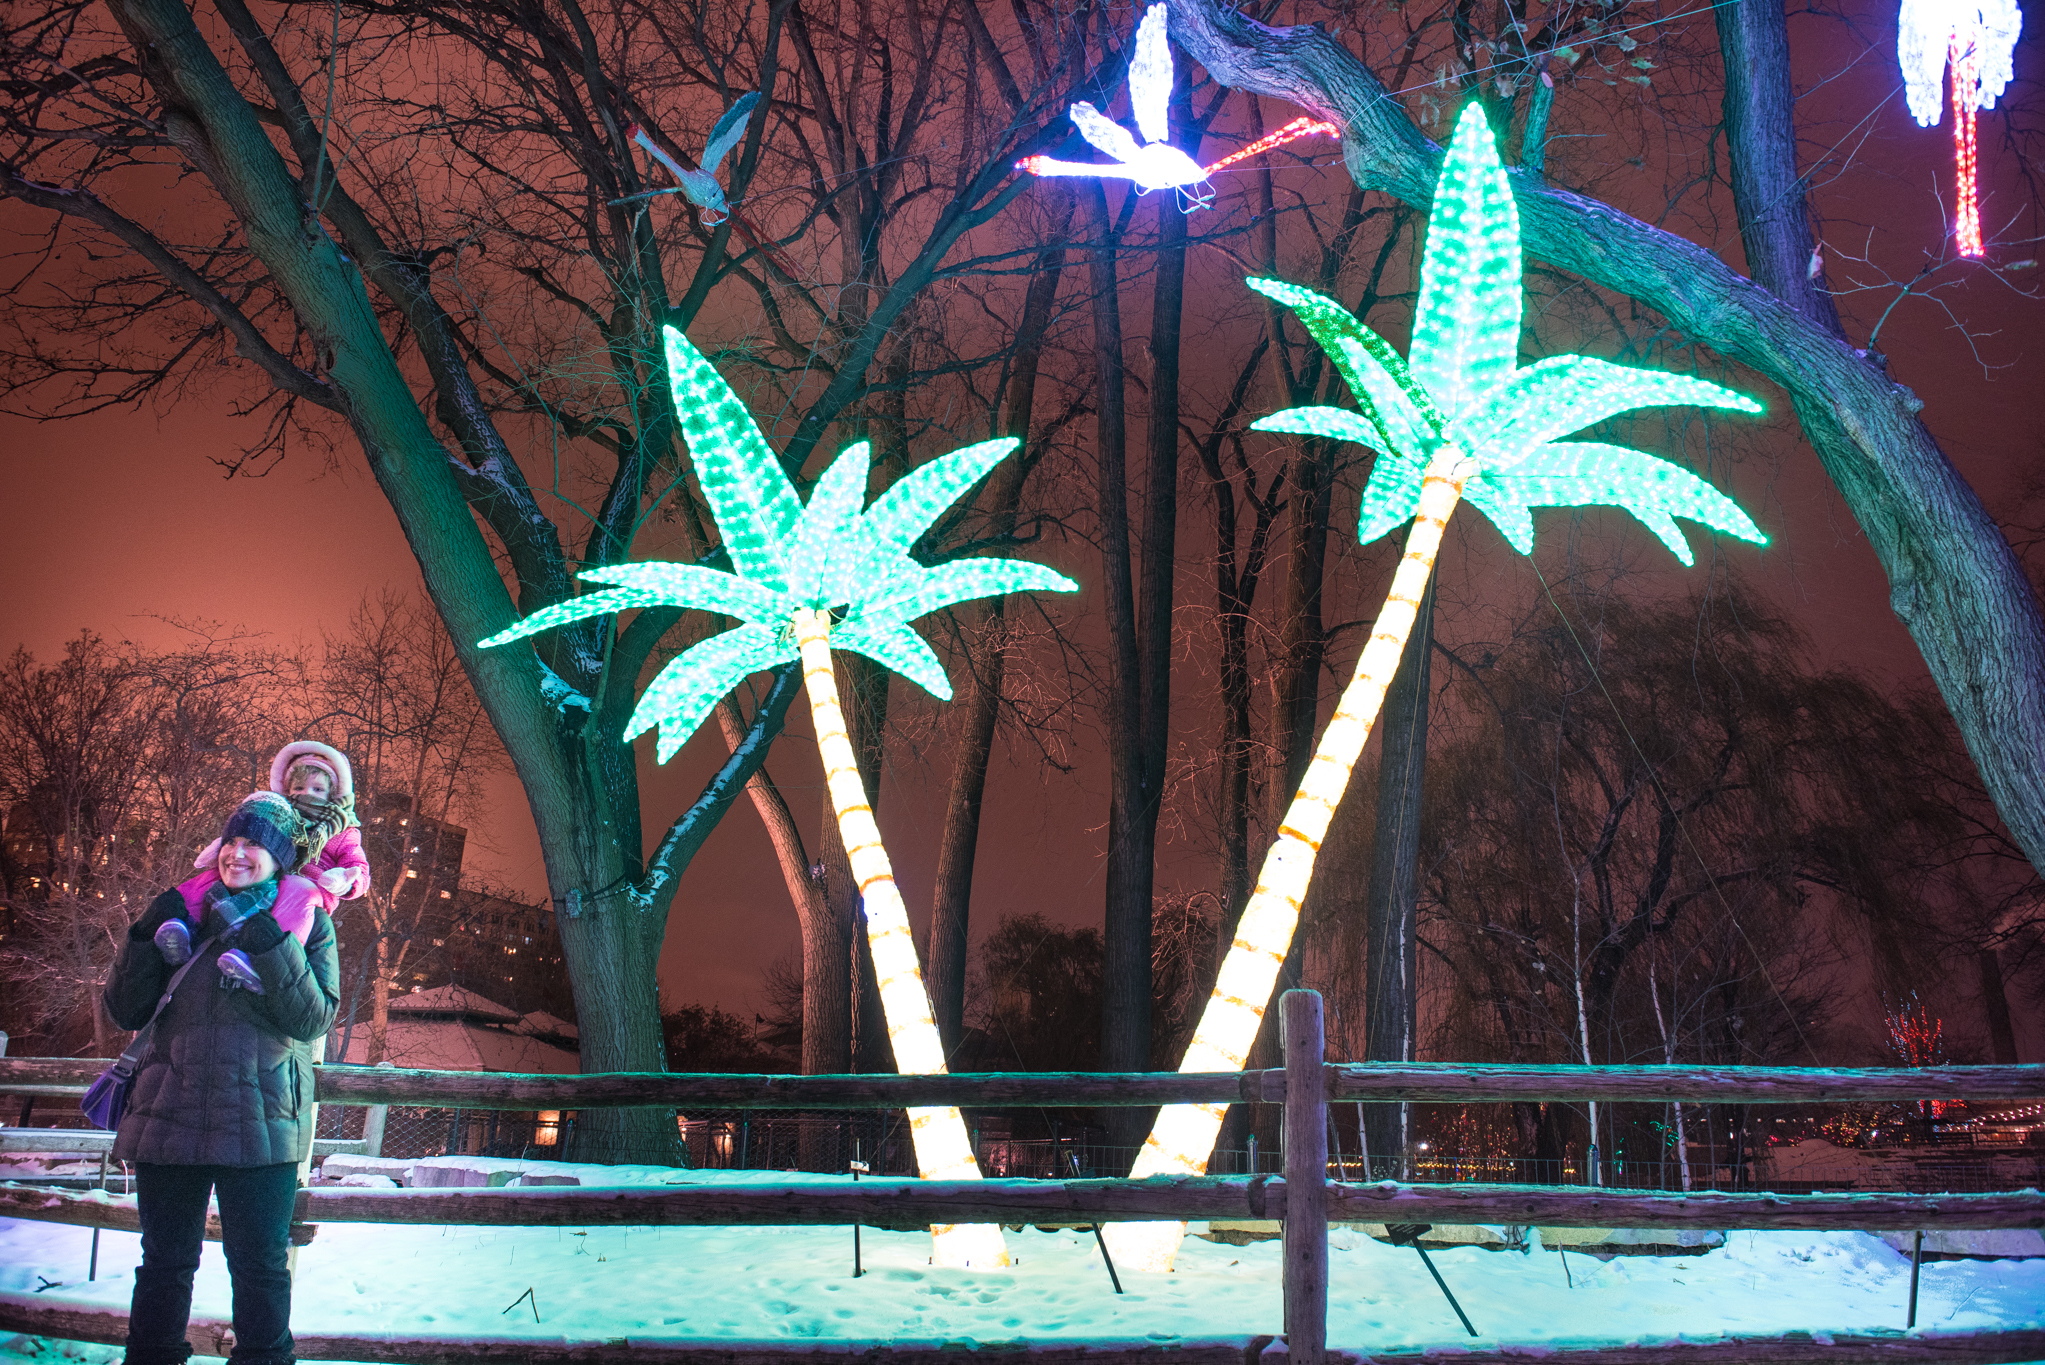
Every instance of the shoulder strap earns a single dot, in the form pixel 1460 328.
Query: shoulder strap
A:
pixel 133 1054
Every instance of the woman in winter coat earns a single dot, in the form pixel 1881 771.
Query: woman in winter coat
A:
pixel 223 1099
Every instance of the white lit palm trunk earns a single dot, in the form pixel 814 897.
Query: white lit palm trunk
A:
pixel 943 1149
pixel 1183 1136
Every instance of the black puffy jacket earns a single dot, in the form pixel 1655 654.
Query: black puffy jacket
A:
pixel 228 1078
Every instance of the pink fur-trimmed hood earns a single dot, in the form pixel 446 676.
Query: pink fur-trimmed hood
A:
pixel 324 754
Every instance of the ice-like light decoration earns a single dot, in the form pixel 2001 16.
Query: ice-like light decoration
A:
pixel 1155 164
pixel 701 187
pixel 1461 421
pixel 1976 41
pixel 810 577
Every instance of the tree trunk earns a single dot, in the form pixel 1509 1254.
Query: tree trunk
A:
pixel 950 924
pixel 1760 131
pixel 2002 1036
pixel 826 939
pixel 380 1005
pixel 1125 984
pixel 1302 637
pixel 575 795
pixel 1393 954
pixel 1267 938
pixel 1954 581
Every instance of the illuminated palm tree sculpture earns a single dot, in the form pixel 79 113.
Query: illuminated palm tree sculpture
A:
pixel 807 578
pixel 1460 422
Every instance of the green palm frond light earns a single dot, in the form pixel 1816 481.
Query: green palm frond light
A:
pixel 828 555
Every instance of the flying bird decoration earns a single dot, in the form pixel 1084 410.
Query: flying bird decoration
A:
pixel 1974 40
pixel 701 187
pixel 1156 163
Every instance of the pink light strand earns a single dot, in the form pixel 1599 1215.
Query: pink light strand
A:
pixel 1298 128
pixel 1966 89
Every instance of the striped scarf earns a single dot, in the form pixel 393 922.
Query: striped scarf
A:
pixel 323 820
pixel 235 906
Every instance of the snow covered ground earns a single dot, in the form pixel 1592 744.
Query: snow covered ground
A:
pixel 795 1285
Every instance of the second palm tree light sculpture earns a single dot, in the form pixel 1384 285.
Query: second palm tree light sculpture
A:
pixel 809 578
pixel 1462 421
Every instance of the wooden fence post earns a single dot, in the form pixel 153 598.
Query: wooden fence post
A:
pixel 1306 1179
pixel 373 1124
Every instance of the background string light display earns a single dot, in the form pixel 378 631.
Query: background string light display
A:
pixel 1974 41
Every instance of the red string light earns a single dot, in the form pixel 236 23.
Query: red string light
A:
pixel 1298 128
pixel 1917 1036
pixel 1966 90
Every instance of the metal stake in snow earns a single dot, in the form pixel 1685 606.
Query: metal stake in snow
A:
pixel 1408 1235
pixel 857 1167
pixel 1099 1241
pixel 92 1266
pixel 1916 1263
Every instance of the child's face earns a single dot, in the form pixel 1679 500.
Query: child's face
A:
pixel 310 783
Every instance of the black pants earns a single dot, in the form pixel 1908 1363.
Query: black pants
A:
pixel 255 1230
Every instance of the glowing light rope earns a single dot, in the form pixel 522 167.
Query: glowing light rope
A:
pixel 1976 40
pixel 1966 174
pixel 1459 421
pixel 800 568
pixel 943 1149
pixel 1291 132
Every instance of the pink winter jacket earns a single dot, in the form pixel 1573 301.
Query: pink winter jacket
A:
pixel 343 851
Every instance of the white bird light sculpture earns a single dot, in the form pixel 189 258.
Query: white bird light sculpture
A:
pixel 701 187
pixel 1156 163
pixel 1977 40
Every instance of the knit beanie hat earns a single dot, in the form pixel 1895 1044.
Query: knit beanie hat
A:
pixel 268 819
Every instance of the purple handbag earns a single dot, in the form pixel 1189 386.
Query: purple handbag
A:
pixel 106 1099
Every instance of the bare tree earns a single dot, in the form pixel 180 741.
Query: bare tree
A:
pixel 471 287
pixel 392 694
pixel 116 765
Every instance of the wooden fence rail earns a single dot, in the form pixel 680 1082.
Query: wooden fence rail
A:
pixel 918 1203
pixel 1304 1199
pixel 1390 1082
pixel 108 1326
pixel 94 1140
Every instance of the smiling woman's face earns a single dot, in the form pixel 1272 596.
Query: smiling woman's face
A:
pixel 245 863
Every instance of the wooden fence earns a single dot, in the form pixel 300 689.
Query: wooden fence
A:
pixel 1303 1198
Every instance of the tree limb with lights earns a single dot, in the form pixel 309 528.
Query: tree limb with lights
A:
pixel 1954 581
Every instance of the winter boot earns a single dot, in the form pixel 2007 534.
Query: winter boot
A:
pixel 236 970
pixel 174 941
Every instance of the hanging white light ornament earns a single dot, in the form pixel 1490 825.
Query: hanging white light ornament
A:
pixel 832 573
pixel 1155 164
pixel 1974 40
